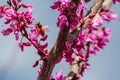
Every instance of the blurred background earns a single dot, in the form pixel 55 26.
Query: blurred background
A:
pixel 17 65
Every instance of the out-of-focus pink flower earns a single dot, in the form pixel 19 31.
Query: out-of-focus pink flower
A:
pixel 19 0
pixel 108 15
pixel 36 63
pixel 81 40
pixel 16 34
pixel 22 44
pixel 34 34
pixel 114 1
pixel 62 21
pixel 1 11
pixel 44 45
pixel 68 53
pixel 44 38
pixel 40 70
pixel 56 5
pixel 99 39
pixel 59 76
pixel 10 15
pixel 7 31
pixel 15 2
pixel 68 16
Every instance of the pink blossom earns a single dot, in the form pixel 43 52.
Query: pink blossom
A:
pixel 44 45
pixel 46 52
pixel 7 31
pixel 44 38
pixel 14 2
pixel 108 15
pixel 10 15
pixel 114 1
pixel 36 64
pixel 62 21
pixel 34 34
pixel 95 25
pixel 56 5
pixel 22 44
pixel 66 9
pixel 1 11
pixel 68 53
pixel 40 70
pixel 19 0
pixel 59 76
pixel 81 40
pixel 16 34
pixel 99 39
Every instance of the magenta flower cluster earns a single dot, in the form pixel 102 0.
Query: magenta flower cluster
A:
pixel 70 15
pixel 91 39
pixel 20 22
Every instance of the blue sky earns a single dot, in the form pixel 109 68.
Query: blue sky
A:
pixel 104 66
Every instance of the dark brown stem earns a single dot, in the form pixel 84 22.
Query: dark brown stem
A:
pixel 54 54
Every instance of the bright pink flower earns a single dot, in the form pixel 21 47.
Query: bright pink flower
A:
pixel 56 5
pixel 59 76
pixel 114 1
pixel 40 70
pixel 34 34
pixel 62 21
pixel 36 64
pixel 1 11
pixel 44 45
pixel 14 2
pixel 10 15
pixel 27 44
pixel 16 35
pixel 46 52
pixel 44 38
pixel 67 53
pixel 108 15
pixel 81 40
pixel 7 31
pixel 99 39
pixel 21 46
pixel 67 17
pixel 68 46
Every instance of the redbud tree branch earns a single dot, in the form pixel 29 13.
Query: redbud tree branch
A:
pixel 95 9
pixel 55 52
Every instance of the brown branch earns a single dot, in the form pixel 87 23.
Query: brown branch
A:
pixel 55 52
pixel 76 68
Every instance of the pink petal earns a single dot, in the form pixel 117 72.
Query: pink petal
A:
pixel 36 63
